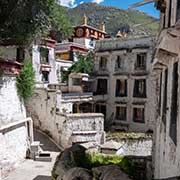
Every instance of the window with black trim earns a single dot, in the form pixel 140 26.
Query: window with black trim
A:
pixel 101 108
pixel 103 63
pixel 20 54
pixel 121 113
pixel 45 77
pixel 141 61
pixel 92 42
pixel 44 55
pixel 138 114
pixel 118 63
pixel 121 88
pixel 174 104
pixel 140 88
pixel 102 86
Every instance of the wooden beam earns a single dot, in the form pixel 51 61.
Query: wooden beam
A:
pixel 141 3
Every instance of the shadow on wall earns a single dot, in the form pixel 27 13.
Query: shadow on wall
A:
pixel 42 178
pixel 47 144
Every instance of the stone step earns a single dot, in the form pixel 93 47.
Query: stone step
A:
pixel 44 159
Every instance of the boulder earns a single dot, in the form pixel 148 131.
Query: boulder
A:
pixel 109 172
pixel 69 158
pixel 78 174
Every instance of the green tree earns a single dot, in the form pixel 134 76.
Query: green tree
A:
pixel 61 26
pixel 83 65
pixel 23 20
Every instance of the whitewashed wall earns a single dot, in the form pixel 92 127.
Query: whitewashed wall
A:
pixel 37 64
pixel 11 108
pixel 13 140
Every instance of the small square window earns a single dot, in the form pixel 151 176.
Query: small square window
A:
pixel 121 113
pixel 138 115
pixel 103 63
pixel 92 42
pixel 44 55
pixel 45 77
pixel 141 61
pixel 118 63
pixel 20 54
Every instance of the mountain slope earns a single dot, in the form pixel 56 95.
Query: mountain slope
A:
pixel 115 19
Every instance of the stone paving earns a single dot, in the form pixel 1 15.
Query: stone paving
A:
pixel 36 170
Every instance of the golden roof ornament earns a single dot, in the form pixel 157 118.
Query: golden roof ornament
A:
pixel 84 20
pixel 102 27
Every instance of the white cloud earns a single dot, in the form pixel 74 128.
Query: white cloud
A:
pixel 81 2
pixel 97 1
pixel 68 3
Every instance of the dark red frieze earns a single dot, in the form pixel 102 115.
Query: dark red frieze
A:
pixel 48 42
pixel 10 66
pixel 45 68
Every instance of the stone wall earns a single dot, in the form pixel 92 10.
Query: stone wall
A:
pixel 44 108
pixel 166 153
pixel 14 137
pixel 14 144
pixel 11 108
pixel 139 147
pixel 83 128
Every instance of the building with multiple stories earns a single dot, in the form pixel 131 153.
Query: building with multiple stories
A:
pixel 124 83
pixel 88 35
pixel 83 40
pixel 43 60
pixel 166 65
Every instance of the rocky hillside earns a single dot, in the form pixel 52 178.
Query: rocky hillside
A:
pixel 116 19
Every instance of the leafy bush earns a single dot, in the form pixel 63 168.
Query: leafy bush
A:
pixel 83 65
pixel 25 81
pixel 95 160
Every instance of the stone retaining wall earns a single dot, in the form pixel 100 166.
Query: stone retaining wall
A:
pixel 65 129
pixel 14 137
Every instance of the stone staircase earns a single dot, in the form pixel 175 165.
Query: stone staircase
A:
pixel 37 153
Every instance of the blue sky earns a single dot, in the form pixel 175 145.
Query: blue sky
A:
pixel 149 9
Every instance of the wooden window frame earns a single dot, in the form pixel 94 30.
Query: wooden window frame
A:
pixel 118 117
pixel 44 55
pixel 143 115
pixel 102 89
pixel 137 93
pixel 141 65
pixel 103 63
pixel 119 85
